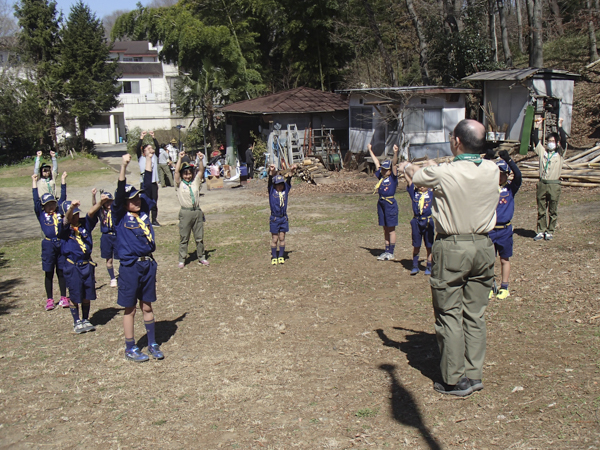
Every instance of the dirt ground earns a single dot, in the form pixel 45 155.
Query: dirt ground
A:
pixel 333 350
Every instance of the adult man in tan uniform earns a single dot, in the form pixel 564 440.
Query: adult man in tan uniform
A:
pixel 464 210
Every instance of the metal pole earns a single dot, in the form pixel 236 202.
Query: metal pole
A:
pixel 204 133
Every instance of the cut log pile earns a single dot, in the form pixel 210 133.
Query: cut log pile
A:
pixel 582 170
pixel 311 170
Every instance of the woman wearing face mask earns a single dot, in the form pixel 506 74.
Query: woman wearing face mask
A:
pixel 548 189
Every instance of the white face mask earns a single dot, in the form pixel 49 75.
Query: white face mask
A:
pixel 551 145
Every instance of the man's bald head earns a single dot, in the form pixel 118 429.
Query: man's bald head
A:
pixel 471 134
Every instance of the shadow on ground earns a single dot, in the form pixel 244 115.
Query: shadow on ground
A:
pixel 165 330
pixel 404 408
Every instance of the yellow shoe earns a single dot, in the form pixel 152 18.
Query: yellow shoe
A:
pixel 491 294
pixel 281 260
pixel 502 294
pixel 274 261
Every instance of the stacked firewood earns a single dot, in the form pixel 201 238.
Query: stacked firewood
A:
pixel 581 170
pixel 311 170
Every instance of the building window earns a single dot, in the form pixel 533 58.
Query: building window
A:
pixel 131 87
pixel 361 118
pixel 420 120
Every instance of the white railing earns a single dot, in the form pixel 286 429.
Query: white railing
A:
pixel 154 97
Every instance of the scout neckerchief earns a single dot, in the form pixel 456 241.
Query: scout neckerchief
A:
pixel 78 239
pixel 143 226
pixel 108 219
pixel 421 203
pixel 549 156
pixel 379 184
pixel 468 157
pixel 189 185
pixel 281 198
pixel 55 219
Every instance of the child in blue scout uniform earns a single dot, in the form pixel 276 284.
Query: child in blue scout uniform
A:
pixel 46 175
pixel 137 272
pixel 79 269
pixel 108 240
pixel 278 188
pixel 502 234
pixel 45 210
pixel 422 223
pixel 387 207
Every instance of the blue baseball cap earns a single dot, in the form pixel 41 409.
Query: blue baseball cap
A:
pixel 131 191
pixel 278 179
pixel 64 207
pixel 387 164
pixel 109 196
pixel 47 197
pixel 503 166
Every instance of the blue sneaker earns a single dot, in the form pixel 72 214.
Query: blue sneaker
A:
pixel 414 271
pixel 428 271
pixel 136 355
pixel 155 351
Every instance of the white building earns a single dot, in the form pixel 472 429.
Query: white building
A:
pixel 146 99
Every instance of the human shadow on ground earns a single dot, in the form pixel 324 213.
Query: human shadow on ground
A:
pixel 524 233
pixel 407 264
pixel 191 257
pixel 7 298
pixel 165 330
pixel 373 251
pixel 103 316
pixel 421 350
pixel 404 408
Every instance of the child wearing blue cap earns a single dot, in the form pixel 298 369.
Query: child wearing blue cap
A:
pixel 421 224
pixel 387 207
pixel 278 188
pixel 49 219
pixel 502 234
pixel 137 272
pixel 79 269
pixel 108 240
pixel 46 174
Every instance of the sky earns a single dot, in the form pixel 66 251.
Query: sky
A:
pixel 100 7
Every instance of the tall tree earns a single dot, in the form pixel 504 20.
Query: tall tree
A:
pixel 39 44
pixel 592 11
pixel 389 68
pixel 423 46
pixel 520 40
pixel 492 29
pixel 90 79
pixel 536 48
pixel 558 20
pixel 504 33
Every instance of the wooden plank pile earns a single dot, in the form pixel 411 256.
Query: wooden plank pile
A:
pixel 582 170
pixel 312 170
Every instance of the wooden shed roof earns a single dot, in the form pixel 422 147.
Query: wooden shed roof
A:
pixel 522 74
pixel 299 100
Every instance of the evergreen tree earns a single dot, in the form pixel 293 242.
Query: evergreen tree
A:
pixel 90 79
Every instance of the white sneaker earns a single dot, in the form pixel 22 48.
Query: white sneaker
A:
pixel 390 257
pixel 113 282
pixel 383 256
pixel 548 236
pixel 79 328
pixel 538 237
pixel 88 326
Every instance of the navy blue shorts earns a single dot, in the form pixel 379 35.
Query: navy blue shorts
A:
pixel 108 246
pixel 51 256
pixel 422 230
pixel 387 213
pixel 279 225
pixel 81 281
pixel 137 282
pixel 503 241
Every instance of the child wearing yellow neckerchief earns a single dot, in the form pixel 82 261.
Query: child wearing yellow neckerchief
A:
pixel 188 183
pixel 279 189
pixel 387 207
pixel 108 240
pixel 79 269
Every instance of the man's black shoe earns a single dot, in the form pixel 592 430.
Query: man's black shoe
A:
pixel 155 224
pixel 461 389
pixel 476 385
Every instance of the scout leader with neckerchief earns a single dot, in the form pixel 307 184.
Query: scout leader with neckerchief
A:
pixel 465 198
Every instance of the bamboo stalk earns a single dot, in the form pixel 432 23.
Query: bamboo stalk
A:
pixel 585 152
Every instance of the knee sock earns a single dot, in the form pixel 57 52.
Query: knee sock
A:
pixel 416 261
pixel 429 265
pixel 281 251
pixel 75 313
pixel 111 272
pixel 273 252
pixel 85 310
pixel 150 331
pixel 392 248
pixel 129 343
pixel 387 248
pixel 504 286
pixel 62 283
pixel 48 283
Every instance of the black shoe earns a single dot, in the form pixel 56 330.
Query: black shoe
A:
pixel 461 389
pixel 155 224
pixel 476 385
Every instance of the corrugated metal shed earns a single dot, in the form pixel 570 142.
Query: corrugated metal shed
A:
pixel 412 90
pixel 521 74
pixel 299 100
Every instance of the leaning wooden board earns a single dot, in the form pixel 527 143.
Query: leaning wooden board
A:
pixel 526 133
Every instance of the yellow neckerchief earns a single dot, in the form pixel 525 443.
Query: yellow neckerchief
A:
pixel 281 198
pixel 421 203
pixel 189 185
pixel 55 219
pixel 108 218
pixel 78 239
pixel 143 226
